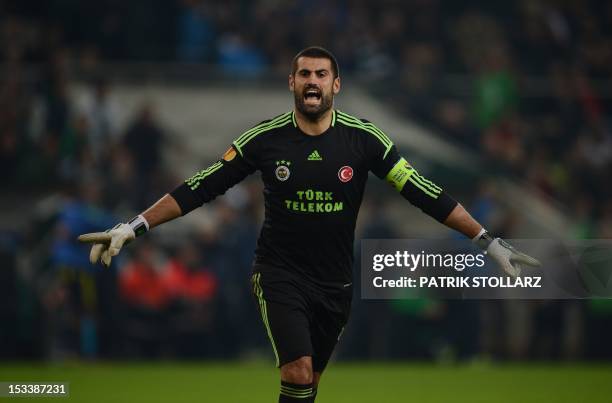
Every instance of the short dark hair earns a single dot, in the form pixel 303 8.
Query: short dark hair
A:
pixel 316 52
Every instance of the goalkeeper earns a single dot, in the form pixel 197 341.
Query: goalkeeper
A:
pixel 314 162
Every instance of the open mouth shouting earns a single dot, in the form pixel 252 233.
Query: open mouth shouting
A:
pixel 312 96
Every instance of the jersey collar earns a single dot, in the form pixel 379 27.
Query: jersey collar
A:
pixel 333 121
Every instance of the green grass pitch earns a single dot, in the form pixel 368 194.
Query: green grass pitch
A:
pixel 342 383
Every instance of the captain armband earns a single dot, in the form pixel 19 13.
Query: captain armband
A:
pixel 419 191
pixel 403 172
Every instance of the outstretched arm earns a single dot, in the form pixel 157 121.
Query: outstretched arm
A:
pixel 165 209
pixel 107 244
pixel 430 198
pixel 387 164
pixel 202 187
pixel 460 220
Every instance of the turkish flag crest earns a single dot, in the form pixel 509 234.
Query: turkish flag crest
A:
pixel 345 173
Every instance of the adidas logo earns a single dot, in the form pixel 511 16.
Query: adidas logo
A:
pixel 315 156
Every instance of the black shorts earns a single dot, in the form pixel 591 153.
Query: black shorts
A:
pixel 300 318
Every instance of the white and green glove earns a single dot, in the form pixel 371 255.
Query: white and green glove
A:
pixel 506 256
pixel 108 244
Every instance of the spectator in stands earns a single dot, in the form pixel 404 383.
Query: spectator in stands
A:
pixel 102 112
pixel 143 140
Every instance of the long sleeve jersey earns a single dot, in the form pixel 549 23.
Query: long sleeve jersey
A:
pixel 313 188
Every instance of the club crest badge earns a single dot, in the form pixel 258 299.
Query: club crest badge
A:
pixel 345 173
pixel 282 171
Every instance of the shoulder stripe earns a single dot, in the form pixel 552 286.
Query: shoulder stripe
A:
pixel 384 137
pixel 275 123
pixel 260 126
pixel 251 134
pixel 387 145
pixel 367 129
pixel 367 124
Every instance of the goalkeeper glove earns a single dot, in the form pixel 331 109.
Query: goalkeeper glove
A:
pixel 108 244
pixel 506 256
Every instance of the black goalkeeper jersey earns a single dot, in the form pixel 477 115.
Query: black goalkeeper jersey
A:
pixel 313 187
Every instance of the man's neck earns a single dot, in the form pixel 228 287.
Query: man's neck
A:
pixel 314 128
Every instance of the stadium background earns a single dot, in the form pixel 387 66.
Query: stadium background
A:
pixel 106 105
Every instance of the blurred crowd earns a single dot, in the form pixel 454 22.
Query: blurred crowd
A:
pixel 526 84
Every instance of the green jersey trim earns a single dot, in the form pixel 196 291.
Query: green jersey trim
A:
pixel 333 121
pixel 416 180
pixel 264 311
pixel 195 181
pixel 352 121
pixel 250 134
